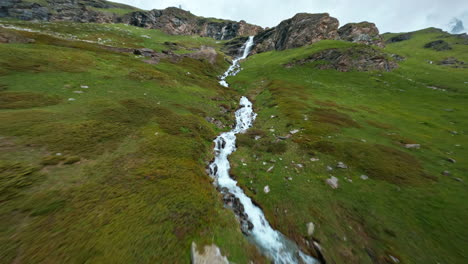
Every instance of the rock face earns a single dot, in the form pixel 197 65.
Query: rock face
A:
pixel 303 29
pixel 348 59
pixel 171 20
pixel 439 45
pixel 211 255
pixel 364 32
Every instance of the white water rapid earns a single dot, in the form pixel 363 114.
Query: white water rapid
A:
pixel 253 223
pixel 235 68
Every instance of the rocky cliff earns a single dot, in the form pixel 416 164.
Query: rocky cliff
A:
pixel 171 20
pixel 305 29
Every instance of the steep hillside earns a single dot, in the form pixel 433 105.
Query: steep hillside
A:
pixel 103 152
pixel 392 141
pixel 106 136
pixel 172 20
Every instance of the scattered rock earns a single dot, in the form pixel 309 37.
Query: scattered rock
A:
pixel 310 228
pixel 294 131
pixel 341 165
pixel 333 182
pixel 314 159
pixel 446 173
pixel 412 146
pixel 453 62
pixel 266 189
pixel 71 99
pixel 394 259
pixel 270 169
pixel 439 45
pixel 451 160
pixel 329 168
pixel 211 254
pixel 457 179
pixel 84 86
pixel 364 177
pixel 399 38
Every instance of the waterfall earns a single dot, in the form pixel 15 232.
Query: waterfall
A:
pixel 235 67
pixel 253 222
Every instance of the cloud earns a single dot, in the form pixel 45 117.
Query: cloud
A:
pixel 389 15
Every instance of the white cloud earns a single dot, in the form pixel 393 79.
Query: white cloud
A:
pixel 389 15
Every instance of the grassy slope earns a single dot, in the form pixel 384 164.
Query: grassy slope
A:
pixel 406 209
pixel 130 185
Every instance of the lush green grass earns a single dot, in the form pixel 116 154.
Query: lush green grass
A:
pixel 118 174
pixel 407 208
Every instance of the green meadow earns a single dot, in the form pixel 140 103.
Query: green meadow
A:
pixel 103 156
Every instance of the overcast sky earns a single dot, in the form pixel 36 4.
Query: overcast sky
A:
pixel 389 15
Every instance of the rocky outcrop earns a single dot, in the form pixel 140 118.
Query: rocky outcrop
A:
pixel 439 45
pixel 349 59
pixel 172 20
pixel 364 32
pixel 399 38
pixel 303 29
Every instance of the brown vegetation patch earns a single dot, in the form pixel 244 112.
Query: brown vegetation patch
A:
pixel 18 100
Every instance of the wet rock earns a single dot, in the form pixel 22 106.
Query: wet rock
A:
pixel 399 38
pixel 211 254
pixel 310 228
pixel 333 182
pixel 364 33
pixel 438 45
pixel 144 52
pixel 348 59
pixel 341 165
pixel 413 146
pixel 233 203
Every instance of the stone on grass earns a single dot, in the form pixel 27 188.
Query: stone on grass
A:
pixel 446 173
pixel 271 168
pixel 341 165
pixel 310 228
pixel 329 168
pixel 394 259
pixel 314 159
pixel 84 86
pixel 413 146
pixel 364 177
pixel 71 99
pixel 451 160
pixel 294 131
pixel 211 254
pixel 266 189
pixel 78 92
pixel 333 182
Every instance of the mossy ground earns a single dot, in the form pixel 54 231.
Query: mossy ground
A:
pixel 406 209
pixel 103 156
